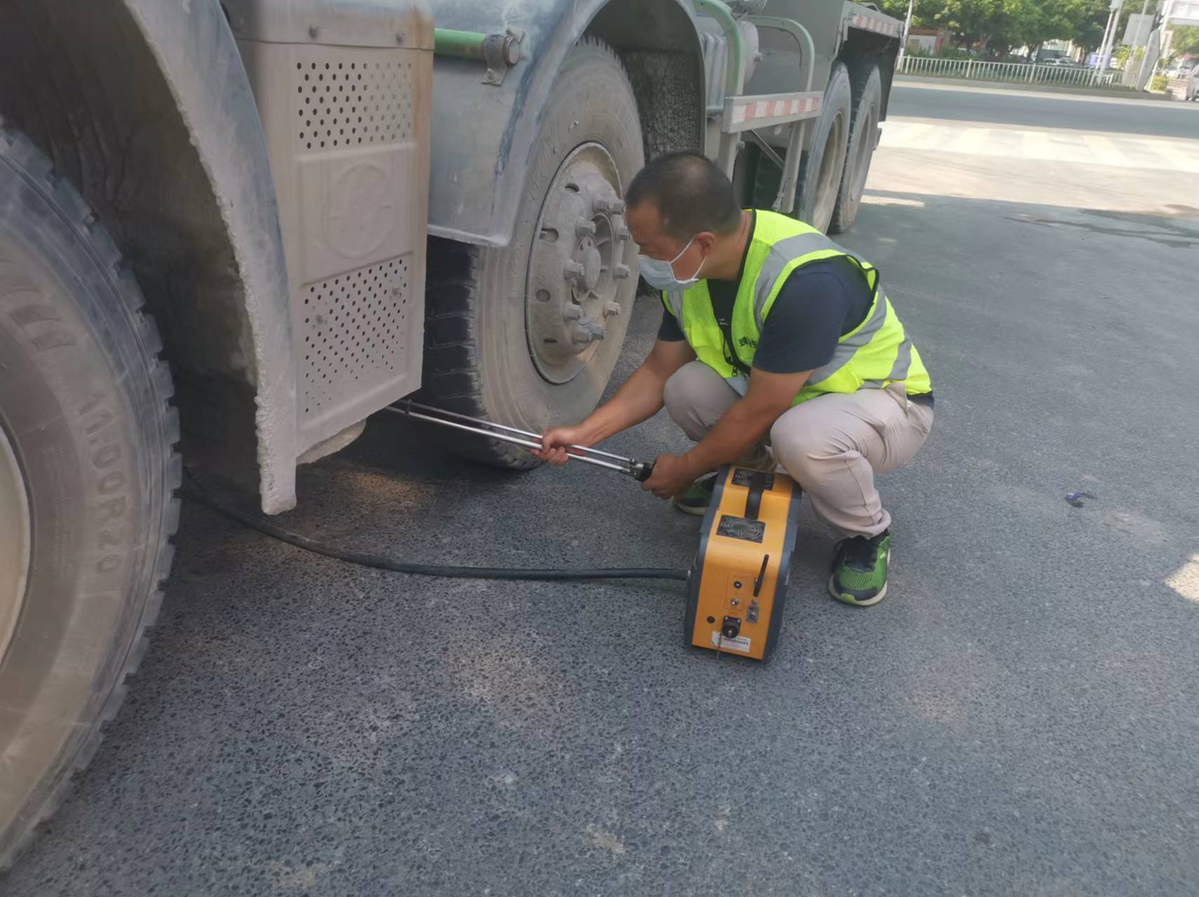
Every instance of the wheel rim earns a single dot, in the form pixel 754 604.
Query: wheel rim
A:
pixel 861 160
pixel 830 181
pixel 15 541
pixel 576 264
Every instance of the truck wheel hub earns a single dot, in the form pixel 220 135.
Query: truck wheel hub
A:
pixel 14 541
pixel 593 264
pixel 576 264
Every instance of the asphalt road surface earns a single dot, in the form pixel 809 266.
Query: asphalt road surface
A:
pixel 957 102
pixel 1020 716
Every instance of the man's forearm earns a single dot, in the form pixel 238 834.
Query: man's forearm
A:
pixel 742 426
pixel 639 399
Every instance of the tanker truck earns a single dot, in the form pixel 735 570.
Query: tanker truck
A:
pixel 232 231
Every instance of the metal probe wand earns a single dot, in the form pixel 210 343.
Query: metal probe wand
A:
pixel 638 470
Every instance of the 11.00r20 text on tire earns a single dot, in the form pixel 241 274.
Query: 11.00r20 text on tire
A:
pixel 86 446
pixel 528 335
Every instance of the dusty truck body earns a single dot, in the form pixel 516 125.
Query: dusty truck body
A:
pixel 230 232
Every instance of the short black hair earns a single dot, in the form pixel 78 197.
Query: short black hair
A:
pixel 690 192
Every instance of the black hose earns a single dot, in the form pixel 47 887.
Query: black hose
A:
pixel 379 562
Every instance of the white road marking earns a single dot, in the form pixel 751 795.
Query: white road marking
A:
pixel 1107 151
pixel 1185 580
pixel 1048 145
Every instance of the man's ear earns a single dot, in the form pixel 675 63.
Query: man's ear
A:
pixel 706 241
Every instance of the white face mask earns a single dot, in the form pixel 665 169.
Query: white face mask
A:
pixel 660 274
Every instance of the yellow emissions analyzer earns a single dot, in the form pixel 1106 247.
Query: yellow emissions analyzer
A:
pixel 739 582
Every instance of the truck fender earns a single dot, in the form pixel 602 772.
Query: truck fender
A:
pixel 152 118
pixel 483 135
pixel 203 68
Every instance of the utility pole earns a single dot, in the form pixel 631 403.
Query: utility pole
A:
pixel 1118 7
pixel 1113 19
pixel 907 27
pixel 1160 49
pixel 1144 52
pixel 1166 10
pixel 1102 46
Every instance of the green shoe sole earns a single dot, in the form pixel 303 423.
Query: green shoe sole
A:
pixel 694 510
pixel 846 598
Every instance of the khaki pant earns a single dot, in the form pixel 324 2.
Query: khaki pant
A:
pixel 832 445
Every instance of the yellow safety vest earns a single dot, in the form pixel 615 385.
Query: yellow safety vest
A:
pixel 873 355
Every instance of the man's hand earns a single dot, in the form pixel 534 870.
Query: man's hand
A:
pixel 672 476
pixel 555 441
pixel 639 399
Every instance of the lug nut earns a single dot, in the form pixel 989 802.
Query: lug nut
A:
pixel 621 272
pixel 611 309
pixel 588 333
pixel 585 229
pixel 573 270
pixel 572 312
pixel 609 206
pixel 622 234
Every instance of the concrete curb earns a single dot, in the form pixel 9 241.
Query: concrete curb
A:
pixel 1034 88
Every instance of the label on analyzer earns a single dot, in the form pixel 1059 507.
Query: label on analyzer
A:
pixel 740 643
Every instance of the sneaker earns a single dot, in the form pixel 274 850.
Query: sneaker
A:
pixel 696 499
pixel 860 569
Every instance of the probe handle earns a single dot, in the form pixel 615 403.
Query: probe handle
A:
pixel 637 470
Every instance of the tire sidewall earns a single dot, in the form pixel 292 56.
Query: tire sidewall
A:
pixel 78 403
pixel 838 98
pixel 852 186
pixel 592 102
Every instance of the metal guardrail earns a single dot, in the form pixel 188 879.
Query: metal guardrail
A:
pixel 1014 72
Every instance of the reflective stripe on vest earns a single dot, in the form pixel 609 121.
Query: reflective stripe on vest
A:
pixel 876 353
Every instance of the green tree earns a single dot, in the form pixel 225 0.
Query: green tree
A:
pixel 1186 40
pixel 926 13
pixel 1002 24
pixel 1089 22
pixel 1032 22
pixel 972 20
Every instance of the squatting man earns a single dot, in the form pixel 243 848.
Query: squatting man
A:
pixel 777 346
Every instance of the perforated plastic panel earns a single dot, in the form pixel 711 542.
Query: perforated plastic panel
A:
pixel 341 104
pixel 355 331
pixel 347 128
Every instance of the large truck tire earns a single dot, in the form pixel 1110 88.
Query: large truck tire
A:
pixel 528 335
pixel 867 88
pixel 88 476
pixel 823 165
